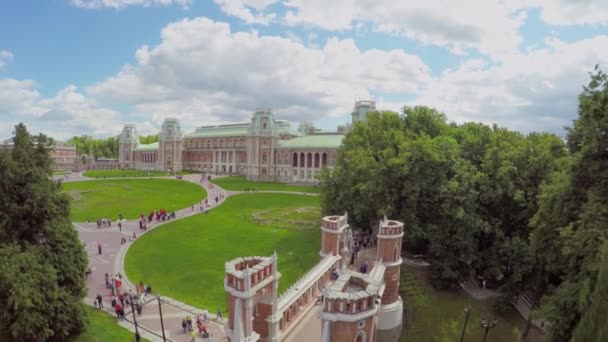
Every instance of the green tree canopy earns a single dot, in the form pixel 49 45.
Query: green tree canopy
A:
pixel 42 261
pixel 569 227
pixel 465 192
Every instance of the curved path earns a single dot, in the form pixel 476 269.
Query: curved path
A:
pixel 111 261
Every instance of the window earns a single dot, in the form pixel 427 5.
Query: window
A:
pixel 360 336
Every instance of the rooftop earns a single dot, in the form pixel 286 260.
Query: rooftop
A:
pixel 313 141
pixel 230 130
pixel 147 147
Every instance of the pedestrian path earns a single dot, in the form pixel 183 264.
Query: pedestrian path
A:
pixel 111 261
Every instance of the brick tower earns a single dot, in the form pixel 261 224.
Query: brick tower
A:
pixel 334 231
pixel 128 141
pixel 390 320
pixel 351 305
pixel 252 285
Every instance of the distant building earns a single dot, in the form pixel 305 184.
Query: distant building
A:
pixel 63 155
pixel 262 149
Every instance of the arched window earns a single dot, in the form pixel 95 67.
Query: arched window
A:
pixel 301 159
pixel 309 160
pixel 316 160
pixel 396 254
pixel 360 336
pixel 324 160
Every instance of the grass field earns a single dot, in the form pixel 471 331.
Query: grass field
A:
pixel 128 173
pixel 108 198
pixel 438 316
pixel 185 259
pixel 102 327
pixel 239 183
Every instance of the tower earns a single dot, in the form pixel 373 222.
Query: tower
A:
pixel 170 143
pixel 252 285
pixel 334 232
pixel 350 307
pixel 390 319
pixel 128 141
pixel 261 141
pixel 361 109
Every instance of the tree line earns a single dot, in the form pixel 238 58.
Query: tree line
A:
pixel 104 148
pixel 523 212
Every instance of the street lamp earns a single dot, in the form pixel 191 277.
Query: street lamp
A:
pixel 467 310
pixel 160 310
pixel 137 336
pixel 487 325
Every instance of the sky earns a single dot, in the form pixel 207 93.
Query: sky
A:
pixel 74 67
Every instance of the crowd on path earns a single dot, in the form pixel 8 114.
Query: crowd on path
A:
pixel 117 297
pixel 187 326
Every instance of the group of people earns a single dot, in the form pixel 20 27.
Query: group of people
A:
pixel 159 215
pixel 104 222
pixel 200 324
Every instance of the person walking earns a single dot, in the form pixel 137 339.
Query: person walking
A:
pixel 184 326
pixel 219 314
pixel 99 248
pixel 99 301
pixel 189 323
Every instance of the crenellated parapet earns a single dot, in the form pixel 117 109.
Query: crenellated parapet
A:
pixel 333 231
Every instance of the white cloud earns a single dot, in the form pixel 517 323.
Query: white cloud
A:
pixel 530 91
pixel 202 72
pixel 5 56
pixel 568 12
pixel 68 113
pixel 486 25
pixel 94 4
pixel 250 11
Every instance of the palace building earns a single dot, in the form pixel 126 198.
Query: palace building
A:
pixel 263 149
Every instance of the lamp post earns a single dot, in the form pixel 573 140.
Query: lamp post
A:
pixel 160 310
pixel 487 326
pixel 137 336
pixel 467 310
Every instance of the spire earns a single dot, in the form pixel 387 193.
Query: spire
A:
pixel 385 219
pixel 238 334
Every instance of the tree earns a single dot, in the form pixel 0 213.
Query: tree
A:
pixel 592 326
pixel 570 225
pixel 42 261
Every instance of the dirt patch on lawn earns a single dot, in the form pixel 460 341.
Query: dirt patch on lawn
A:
pixel 292 218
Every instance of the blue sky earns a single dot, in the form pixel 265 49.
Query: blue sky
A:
pixel 70 67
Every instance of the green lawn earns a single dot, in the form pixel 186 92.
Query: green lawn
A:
pixel 438 316
pixel 128 173
pixel 239 183
pixel 102 327
pixel 185 259
pixel 108 198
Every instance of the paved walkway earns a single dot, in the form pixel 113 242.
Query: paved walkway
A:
pixel 111 262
